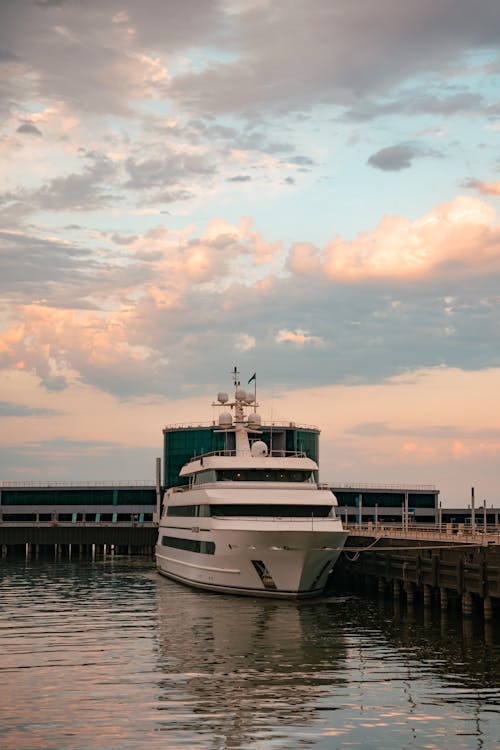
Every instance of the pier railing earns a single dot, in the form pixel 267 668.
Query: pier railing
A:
pixel 455 533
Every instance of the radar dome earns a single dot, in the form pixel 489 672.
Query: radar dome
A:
pixel 254 419
pixel 222 397
pixel 259 448
pixel 225 419
pixel 241 394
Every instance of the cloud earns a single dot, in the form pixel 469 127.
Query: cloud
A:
pixel 297 337
pixel 418 102
pixel 244 342
pixel 462 236
pixel 484 188
pixel 92 55
pixel 142 316
pixel 8 409
pixel 424 41
pixel 77 191
pixel 239 178
pixel 168 170
pixel 29 128
pixel 396 158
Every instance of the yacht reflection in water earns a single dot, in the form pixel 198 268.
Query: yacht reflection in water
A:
pixel 238 670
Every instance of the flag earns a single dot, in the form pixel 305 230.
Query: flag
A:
pixel 252 378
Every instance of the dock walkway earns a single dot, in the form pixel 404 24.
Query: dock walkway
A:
pixel 427 563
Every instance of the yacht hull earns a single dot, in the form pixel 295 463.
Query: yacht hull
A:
pixel 289 563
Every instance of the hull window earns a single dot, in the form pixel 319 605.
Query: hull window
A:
pixel 191 545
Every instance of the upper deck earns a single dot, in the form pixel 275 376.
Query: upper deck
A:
pixel 278 460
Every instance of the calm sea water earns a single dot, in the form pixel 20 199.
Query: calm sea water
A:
pixel 107 654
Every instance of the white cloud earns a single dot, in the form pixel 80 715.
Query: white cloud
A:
pixel 244 342
pixel 297 337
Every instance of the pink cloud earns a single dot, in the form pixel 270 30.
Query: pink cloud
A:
pixel 462 235
pixel 492 188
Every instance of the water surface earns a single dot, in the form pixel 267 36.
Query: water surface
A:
pixel 107 654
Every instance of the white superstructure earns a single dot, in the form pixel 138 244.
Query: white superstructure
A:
pixel 248 521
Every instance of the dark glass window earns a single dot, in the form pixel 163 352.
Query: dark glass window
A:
pixel 191 545
pixel 188 510
pixel 263 475
pixel 272 511
pixel 204 476
pixel 182 510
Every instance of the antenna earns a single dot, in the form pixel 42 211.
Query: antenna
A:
pixel 236 377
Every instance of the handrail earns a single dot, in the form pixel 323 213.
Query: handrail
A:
pixel 456 532
pixel 213 423
pixel 232 453
pixel 104 483
pixel 365 486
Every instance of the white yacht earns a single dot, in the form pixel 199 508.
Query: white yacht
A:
pixel 251 520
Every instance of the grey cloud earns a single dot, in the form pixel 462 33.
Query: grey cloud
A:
pixel 301 161
pixel 405 338
pixel 78 191
pixel 123 239
pixel 396 158
pixel 170 170
pixel 239 178
pixel 81 53
pixel 50 3
pixel 169 196
pixel 55 383
pixel 9 409
pixel 417 103
pixel 327 71
pixel 447 432
pixel 64 275
pixel 386 341
pixel 29 128
pixel 67 459
pixel 7 56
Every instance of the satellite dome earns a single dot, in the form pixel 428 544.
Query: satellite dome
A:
pixel 259 448
pixel 225 419
pixel 241 394
pixel 254 419
pixel 222 397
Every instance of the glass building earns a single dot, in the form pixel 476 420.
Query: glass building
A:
pixel 181 444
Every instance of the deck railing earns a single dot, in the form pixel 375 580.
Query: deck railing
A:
pixel 452 532
pixel 102 483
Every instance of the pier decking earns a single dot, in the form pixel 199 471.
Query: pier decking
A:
pixel 425 564
pixel 443 563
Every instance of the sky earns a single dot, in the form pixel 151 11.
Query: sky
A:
pixel 308 190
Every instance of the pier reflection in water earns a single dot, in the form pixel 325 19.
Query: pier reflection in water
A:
pixel 106 654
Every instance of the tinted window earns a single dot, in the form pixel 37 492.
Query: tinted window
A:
pixel 191 545
pixel 272 511
pixel 263 475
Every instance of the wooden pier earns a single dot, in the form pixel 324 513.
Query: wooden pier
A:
pixel 427 566
pixel 40 537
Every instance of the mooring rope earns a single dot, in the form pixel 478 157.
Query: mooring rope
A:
pixel 358 550
pixel 361 549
